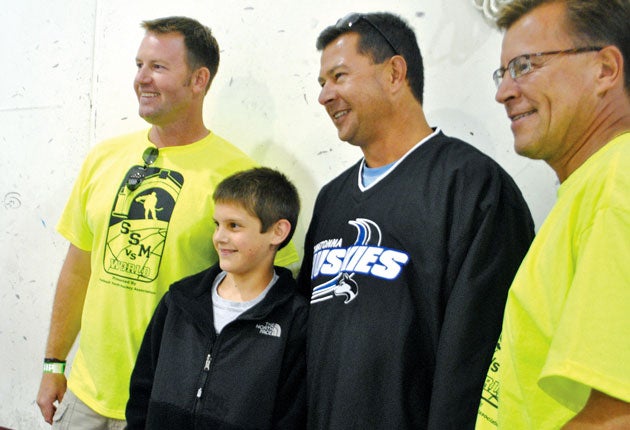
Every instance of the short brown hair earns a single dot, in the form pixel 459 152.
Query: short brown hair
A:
pixel 202 48
pixel 263 192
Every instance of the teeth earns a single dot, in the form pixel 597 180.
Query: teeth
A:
pixel 517 117
pixel 340 114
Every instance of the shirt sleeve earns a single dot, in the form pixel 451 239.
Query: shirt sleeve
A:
pixel 591 347
pixel 73 223
pixel 491 232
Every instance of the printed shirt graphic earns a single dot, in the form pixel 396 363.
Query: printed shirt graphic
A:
pixel 141 242
pixel 365 256
pixel 139 225
pixel 566 320
pixel 487 415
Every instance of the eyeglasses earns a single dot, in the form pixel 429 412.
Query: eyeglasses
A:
pixel 522 65
pixel 137 173
pixel 353 18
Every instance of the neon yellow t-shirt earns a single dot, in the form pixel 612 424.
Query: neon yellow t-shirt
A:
pixel 567 317
pixel 140 241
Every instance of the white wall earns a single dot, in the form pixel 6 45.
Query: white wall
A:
pixel 67 83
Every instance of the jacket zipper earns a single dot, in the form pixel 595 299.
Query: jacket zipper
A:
pixel 206 369
pixel 202 382
pixel 205 374
pixel 208 363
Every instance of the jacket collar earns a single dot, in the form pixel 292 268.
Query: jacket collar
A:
pixel 193 296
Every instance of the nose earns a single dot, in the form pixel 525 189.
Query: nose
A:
pixel 507 89
pixel 326 94
pixel 142 75
pixel 218 234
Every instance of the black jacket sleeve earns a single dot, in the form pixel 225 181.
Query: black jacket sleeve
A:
pixel 290 410
pixel 490 234
pixel 143 373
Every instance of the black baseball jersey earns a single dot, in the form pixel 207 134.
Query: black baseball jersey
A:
pixel 408 279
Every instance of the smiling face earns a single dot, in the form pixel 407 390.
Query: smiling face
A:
pixel 352 90
pixel 547 107
pixel 163 80
pixel 243 250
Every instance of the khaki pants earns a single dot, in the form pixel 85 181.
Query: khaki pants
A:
pixel 73 414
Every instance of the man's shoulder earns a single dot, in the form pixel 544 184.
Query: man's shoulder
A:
pixel 117 147
pixel 229 154
pixel 342 179
pixel 454 156
pixel 607 169
pixel 218 140
pixel 456 150
pixel 119 143
pixel 619 148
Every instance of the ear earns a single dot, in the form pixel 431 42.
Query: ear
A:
pixel 398 71
pixel 280 230
pixel 200 79
pixel 610 72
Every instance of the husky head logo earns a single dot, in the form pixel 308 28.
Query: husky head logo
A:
pixel 346 287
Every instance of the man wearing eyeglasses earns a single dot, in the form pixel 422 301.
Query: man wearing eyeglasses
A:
pixel 563 360
pixel 139 218
pixel 410 252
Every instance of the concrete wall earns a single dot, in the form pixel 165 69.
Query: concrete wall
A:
pixel 67 83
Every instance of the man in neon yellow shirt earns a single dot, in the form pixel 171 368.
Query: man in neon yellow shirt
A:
pixel 563 360
pixel 140 217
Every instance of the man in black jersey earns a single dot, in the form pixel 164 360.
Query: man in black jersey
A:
pixel 410 252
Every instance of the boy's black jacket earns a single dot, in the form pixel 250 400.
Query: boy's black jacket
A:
pixel 251 376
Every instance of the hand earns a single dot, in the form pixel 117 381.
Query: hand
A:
pixel 51 389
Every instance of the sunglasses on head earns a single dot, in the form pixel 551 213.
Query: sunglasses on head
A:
pixel 353 18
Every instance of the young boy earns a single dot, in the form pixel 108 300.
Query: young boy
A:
pixel 226 347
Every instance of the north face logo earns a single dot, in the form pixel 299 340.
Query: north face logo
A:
pixel 270 329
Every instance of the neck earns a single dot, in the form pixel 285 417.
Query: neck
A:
pixel 608 123
pixel 244 288
pixel 176 134
pixel 402 133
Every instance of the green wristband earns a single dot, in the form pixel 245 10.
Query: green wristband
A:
pixel 57 367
